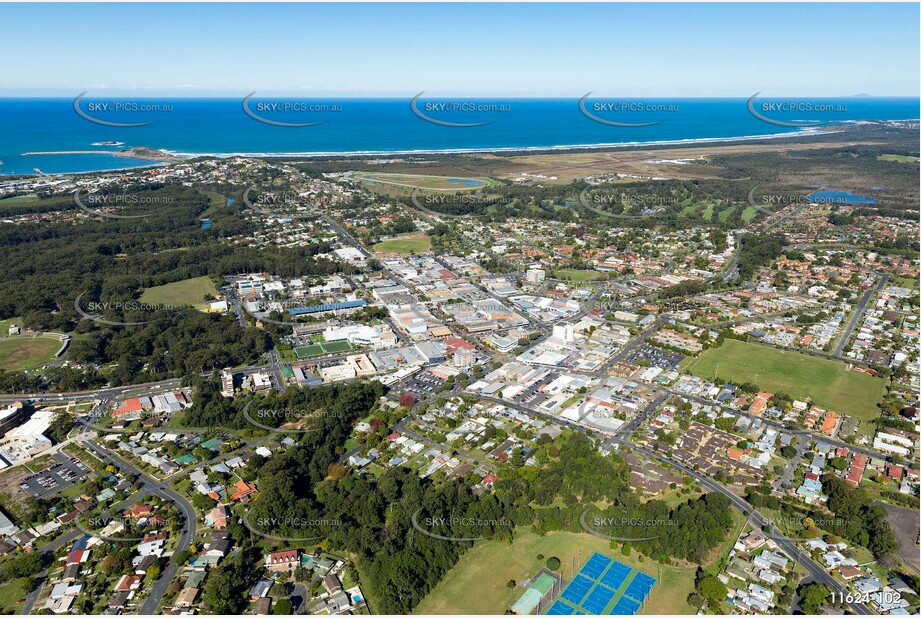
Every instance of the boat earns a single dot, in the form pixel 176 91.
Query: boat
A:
pixel 109 143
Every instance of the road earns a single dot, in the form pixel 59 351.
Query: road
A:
pixel 779 425
pixel 787 545
pixel 858 313
pixel 41 576
pixel 150 604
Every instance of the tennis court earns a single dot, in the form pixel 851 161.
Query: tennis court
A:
pixel 603 586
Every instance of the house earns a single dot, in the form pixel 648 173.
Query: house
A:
pixel 217 517
pixel 849 572
pixel 128 583
pixel 142 564
pixel 332 584
pixel 243 491
pixel 261 589
pixel 263 606
pixel 119 600
pixel 186 597
pixel 139 510
pixel 282 561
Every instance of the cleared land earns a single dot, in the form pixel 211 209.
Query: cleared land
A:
pixel 571 274
pixel 829 384
pixel 404 245
pixel 27 352
pixel 904 522
pixel 476 584
pixel 188 292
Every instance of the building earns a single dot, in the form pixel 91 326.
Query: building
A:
pixel 536 276
pixel 464 357
pixel 227 383
pixel 283 561
pixel 564 331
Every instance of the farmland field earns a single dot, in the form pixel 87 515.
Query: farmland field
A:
pixel 829 384
pixel 188 292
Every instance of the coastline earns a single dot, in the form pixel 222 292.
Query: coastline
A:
pixel 155 157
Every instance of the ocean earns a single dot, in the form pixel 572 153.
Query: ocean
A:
pixel 66 141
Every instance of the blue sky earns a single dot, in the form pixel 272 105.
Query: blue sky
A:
pixel 819 49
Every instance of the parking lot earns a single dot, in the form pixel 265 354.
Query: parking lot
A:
pixel 66 473
pixel 656 357
pixel 422 385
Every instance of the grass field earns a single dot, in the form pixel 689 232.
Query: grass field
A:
pixel 897 158
pixel 10 594
pixel 19 199
pixel 476 584
pixel 319 349
pixel 571 274
pixel 27 352
pixel 902 282
pixel 828 383
pixel 404 245
pixel 188 292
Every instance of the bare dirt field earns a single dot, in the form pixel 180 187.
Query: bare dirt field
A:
pixel 905 525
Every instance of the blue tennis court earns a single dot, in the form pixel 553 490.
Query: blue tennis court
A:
pixel 640 587
pixel 577 589
pixel 625 607
pixel 561 609
pixel 603 586
pixel 616 575
pixel 595 566
pixel 598 599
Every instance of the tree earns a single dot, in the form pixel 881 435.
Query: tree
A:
pixel 695 600
pixel 283 607
pixel 111 564
pixel 553 563
pixel 711 588
pixel 812 596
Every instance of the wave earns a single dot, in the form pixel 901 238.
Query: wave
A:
pixel 806 131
